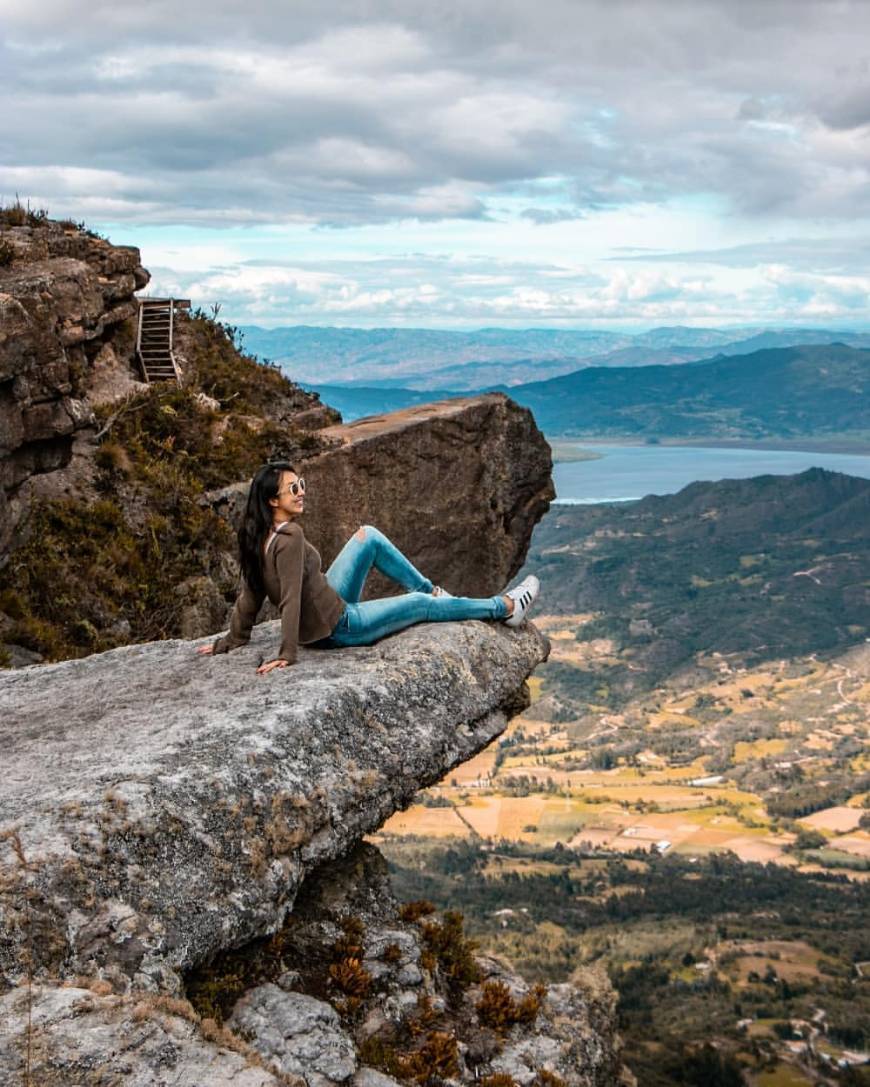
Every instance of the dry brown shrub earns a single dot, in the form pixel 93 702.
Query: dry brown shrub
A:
pixel 413 911
pixel 498 1009
pixel 438 1056
pixel 392 953
pixel 548 1079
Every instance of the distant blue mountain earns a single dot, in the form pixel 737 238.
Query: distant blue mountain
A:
pixel 429 359
pixel 803 391
pixel 792 392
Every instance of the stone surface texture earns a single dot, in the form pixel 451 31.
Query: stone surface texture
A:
pixel 81 1039
pixel 166 816
pixel 572 1036
pixel 67 317
pixel 297 1034
pixel 168 805
pixel 458 485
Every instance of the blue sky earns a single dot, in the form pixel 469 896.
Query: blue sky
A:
pixel 566 163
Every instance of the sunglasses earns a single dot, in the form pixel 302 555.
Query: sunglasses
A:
pixel 295 488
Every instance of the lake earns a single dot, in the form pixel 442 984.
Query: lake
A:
pixel 622 473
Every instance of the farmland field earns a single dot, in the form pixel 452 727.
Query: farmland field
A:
pixel 686 801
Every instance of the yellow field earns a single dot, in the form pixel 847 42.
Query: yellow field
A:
pixel 672 718
pixel 791 959
pixel 839 819
pixel 549 623
pixel 784 1075
pixel 477 769
pixel 858 843
pixel 756 749
pixel 431 822
pixel 500 866
pixel 599 650
pixel 610 808
pixel 505 817
pixel 817 741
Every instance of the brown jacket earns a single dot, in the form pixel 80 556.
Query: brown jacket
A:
pixel 308 604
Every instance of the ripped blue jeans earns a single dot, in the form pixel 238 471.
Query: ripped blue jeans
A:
pixel 365 622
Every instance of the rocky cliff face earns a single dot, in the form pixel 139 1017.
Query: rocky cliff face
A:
pixel 160 811
pixel 66 307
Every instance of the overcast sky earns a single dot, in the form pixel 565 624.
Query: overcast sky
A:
pixel 460 163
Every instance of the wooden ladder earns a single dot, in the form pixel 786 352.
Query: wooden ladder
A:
pixel 154 338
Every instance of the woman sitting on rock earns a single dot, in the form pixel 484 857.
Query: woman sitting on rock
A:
pixel 325 610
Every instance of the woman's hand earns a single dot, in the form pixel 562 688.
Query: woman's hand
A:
pixel 269 665
pixel 206 650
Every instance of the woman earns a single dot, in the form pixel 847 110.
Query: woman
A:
pixel 277 561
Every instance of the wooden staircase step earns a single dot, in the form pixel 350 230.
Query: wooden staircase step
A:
pixel 154 339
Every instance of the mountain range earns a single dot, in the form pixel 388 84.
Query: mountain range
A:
pixel 437 360
pixel 786 393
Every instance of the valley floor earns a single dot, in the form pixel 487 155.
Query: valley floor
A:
pixel 709 843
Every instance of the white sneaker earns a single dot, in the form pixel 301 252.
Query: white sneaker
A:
pixel 523 596
pixel 438 591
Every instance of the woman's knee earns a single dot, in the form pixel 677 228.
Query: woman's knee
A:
pixel 369 532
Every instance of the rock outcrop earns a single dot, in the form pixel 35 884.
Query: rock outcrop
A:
pixel 68 312
pixel 161 810
pixel 457 484
pixel 66 308
pixel 422 994
pixel 173 824
pixel 168 805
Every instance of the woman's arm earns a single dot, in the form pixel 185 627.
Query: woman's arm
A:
pixel 247 606
pixel 290 565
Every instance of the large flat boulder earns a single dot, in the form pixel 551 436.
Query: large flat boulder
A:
pixel 157 807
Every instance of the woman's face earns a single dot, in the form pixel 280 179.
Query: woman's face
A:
pixel 285 501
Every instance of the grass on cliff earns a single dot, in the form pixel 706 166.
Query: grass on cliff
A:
pixel 19 214
pixel 240 382
pixel 110 571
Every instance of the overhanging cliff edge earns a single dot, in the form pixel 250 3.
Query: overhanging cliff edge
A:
pixel 159 806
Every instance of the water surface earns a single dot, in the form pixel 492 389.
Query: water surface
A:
pixel 622 473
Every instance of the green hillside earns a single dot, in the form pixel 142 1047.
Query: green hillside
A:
pixel 788 392
pixel 770 566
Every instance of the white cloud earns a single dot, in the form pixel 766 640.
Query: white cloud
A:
pixel 729 134
pixel 418 290
pixel 385 102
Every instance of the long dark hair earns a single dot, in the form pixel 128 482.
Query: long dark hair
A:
pixel 257 521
